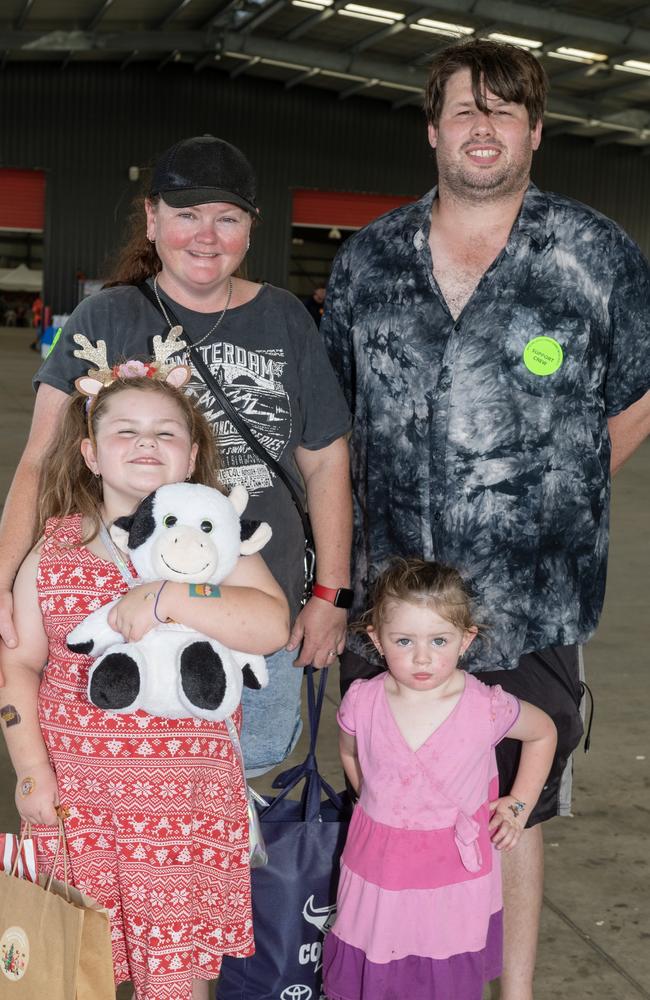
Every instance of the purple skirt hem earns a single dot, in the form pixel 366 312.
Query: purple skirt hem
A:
pixel 349 975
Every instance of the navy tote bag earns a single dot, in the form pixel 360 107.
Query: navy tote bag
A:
pixel 294 895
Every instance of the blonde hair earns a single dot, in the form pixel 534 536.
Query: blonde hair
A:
pixel 415 581
pixel 67 486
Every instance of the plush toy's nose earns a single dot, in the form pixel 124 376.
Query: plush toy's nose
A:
pixel 187 552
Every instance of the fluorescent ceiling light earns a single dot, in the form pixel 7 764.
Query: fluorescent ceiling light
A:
pixel 307 4
pixel 634 66
pixel 365 17
pixel 576 59
pixel 371 13
pixel 524 43
pixel 441 28
pixel 360 9
pixel 564 51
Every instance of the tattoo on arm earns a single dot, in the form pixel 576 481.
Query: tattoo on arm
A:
pixel 9 715
pixel 204 590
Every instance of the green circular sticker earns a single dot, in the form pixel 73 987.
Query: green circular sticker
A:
pixel 543 355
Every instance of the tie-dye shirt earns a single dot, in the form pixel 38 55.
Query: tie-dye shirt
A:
pixel 470 446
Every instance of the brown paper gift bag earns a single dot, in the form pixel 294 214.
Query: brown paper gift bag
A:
pixel 55 943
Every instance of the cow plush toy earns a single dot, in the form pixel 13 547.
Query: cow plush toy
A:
pixel 184 533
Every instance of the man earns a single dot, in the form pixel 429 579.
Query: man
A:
pixel 487 337
pixel 314 304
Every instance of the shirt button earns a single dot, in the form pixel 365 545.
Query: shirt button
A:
pixel 437 516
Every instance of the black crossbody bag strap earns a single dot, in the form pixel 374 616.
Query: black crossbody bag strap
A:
pixel 248 436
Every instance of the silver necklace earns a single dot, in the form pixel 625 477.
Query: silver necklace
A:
pixel 196 343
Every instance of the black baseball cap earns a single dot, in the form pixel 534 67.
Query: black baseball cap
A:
pixel 201 170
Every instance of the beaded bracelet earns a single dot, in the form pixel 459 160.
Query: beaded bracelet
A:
pixel 163 621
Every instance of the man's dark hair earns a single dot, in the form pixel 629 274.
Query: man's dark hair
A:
pixel 513 74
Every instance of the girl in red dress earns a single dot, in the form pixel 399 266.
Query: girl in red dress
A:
pixel 156 829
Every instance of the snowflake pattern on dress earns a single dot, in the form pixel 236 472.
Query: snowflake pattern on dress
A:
pixel 157 831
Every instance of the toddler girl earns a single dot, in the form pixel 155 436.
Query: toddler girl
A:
pixel 419 899
pixel 157 826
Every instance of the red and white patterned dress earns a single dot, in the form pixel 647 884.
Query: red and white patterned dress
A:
pixel 158 828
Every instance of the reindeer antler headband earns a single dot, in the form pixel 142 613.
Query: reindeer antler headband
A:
pixel 159 368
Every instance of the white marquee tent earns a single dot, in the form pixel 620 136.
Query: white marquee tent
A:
pixel 20 279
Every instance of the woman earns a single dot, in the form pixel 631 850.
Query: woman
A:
pixel 262 348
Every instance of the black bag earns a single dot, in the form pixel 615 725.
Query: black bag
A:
pixel 294 896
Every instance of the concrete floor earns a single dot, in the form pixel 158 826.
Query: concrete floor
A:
pixel 596 920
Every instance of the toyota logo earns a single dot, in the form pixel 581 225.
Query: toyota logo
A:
pixel 296 992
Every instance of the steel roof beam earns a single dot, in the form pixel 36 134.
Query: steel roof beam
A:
pixel 259 17
pixel 619 91
pixel 388 31
pixel 544 19
pixel 173 56
pixel 24 14
pixel 206 60
pixel 605 71
pixel 251 45
pixel 220 12
pixel 356 88
pixel 172 13
pixel 244 66
pixel 99 14
pixel 294 81
pixel 314 20
pixel 635 12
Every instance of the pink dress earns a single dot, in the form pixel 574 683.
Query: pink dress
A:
pixel 419 900
pixel 158 827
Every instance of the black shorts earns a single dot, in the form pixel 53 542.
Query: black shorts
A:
pixel 548 679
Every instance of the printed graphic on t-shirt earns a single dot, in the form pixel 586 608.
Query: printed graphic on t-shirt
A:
pixel 252 381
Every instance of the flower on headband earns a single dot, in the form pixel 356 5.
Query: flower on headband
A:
pixel 134 369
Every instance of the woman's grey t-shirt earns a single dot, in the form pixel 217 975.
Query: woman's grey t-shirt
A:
pixel 269 359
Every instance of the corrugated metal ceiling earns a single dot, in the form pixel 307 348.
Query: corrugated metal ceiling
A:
pixel 596 52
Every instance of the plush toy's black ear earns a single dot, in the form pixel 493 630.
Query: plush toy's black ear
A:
pixel 247 528
pixel 143 523
pixel 124 522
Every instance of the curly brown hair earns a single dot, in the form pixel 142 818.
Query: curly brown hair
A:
pixel 512 73
pixel 138 258
pixel 432 584
pixel 67 486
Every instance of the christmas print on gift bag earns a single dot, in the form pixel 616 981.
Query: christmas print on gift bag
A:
pixel 54 942
pixel 294 895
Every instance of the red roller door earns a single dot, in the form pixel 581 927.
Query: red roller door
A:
pixel 22 199
pixel 343 209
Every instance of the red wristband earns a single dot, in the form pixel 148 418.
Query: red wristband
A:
pixel 340 597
